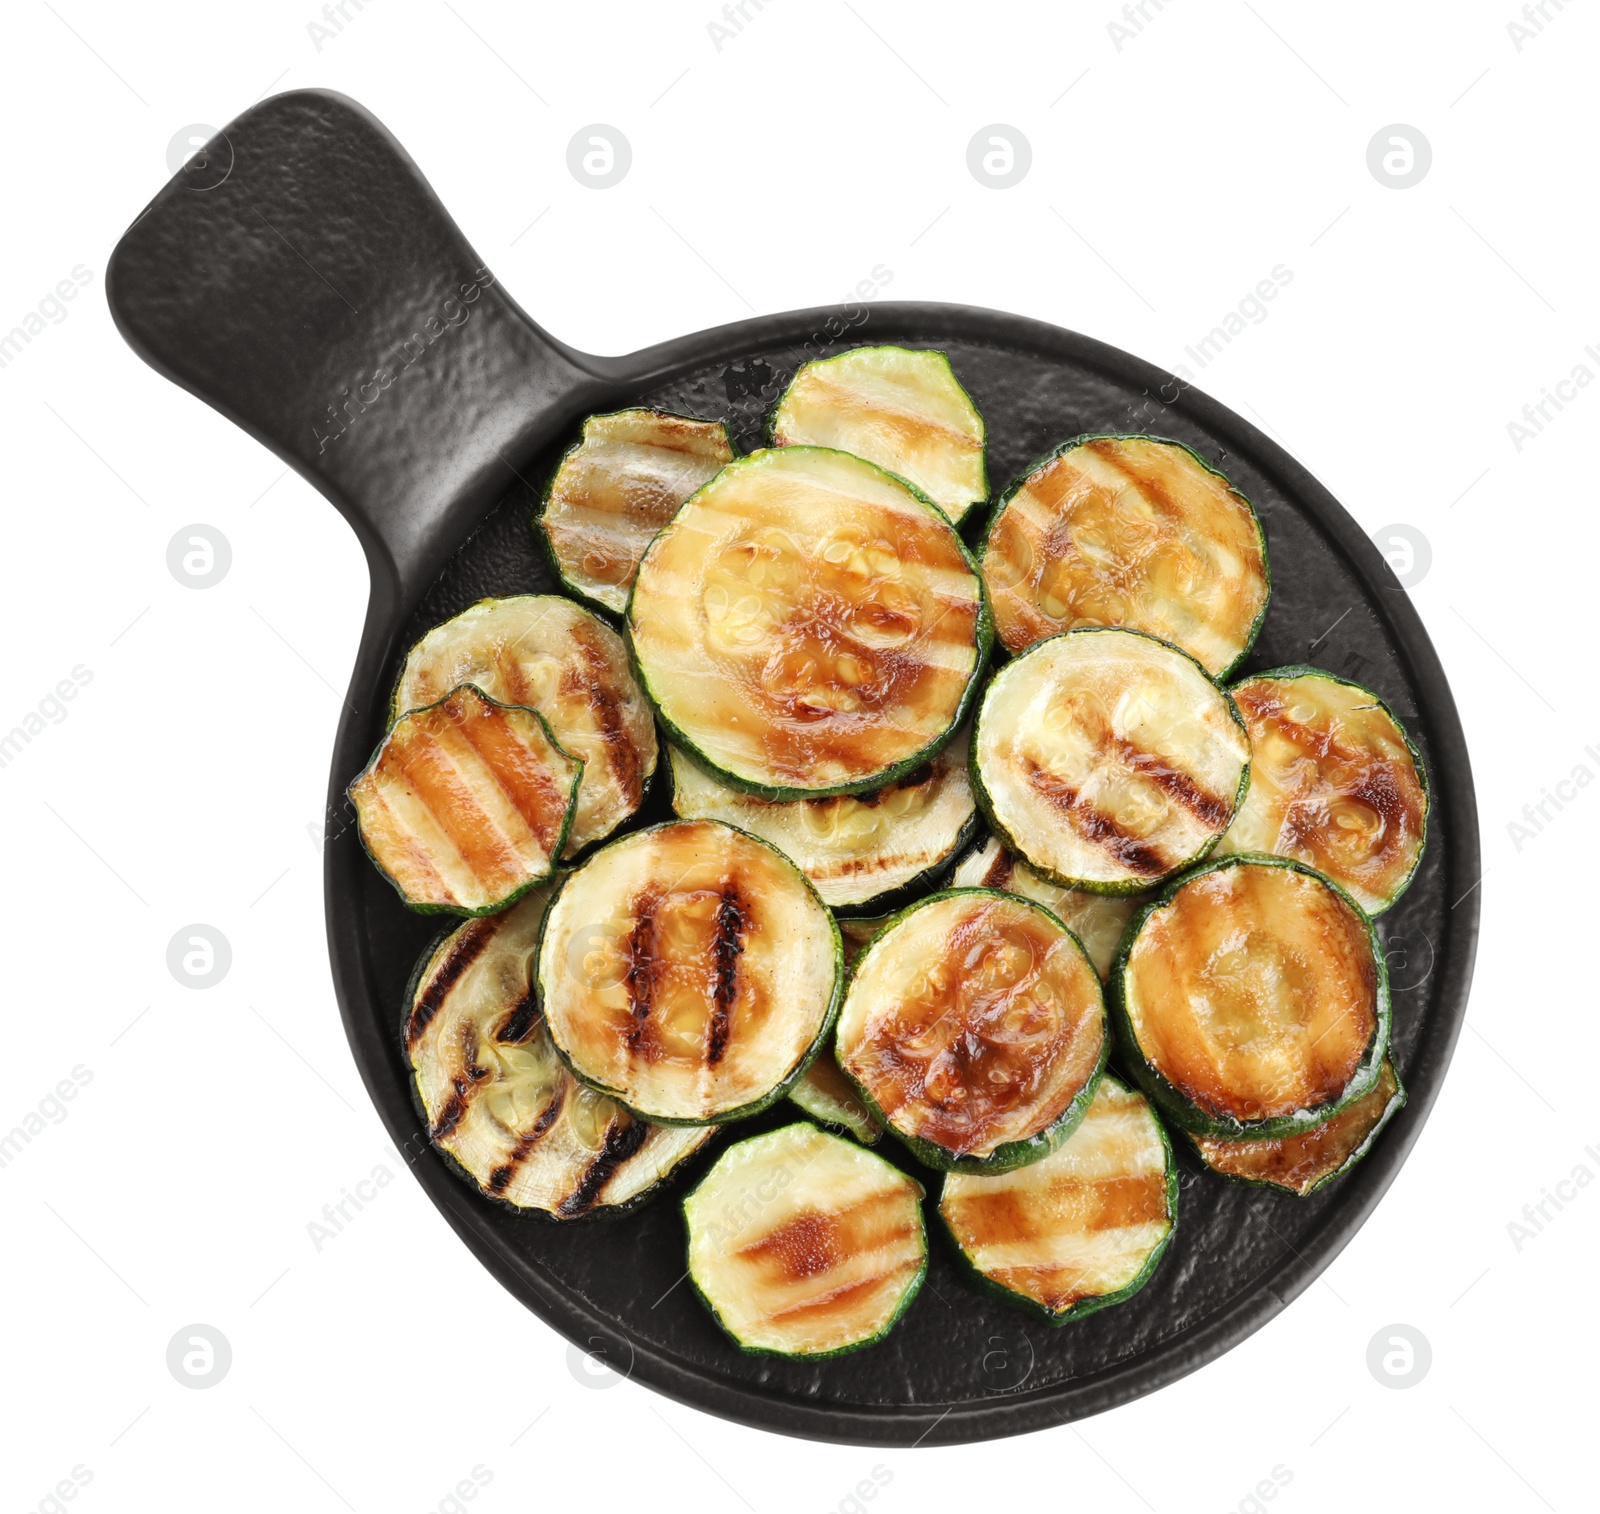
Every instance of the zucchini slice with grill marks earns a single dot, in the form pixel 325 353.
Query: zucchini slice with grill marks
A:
pixel 467 803
pixel 1251 1000
pixel 495 1096
pixel 1334 783
pixel 809 625
pixel 1097 920
pixel 1108 760
pixel 1301 1164
pixel 553 656
pixel 1083 1228
pixel 975 1028
pixel 866 853
pixel 904 410
pixel 805 1244
pixel 619 486
pixel 1128 531
pixel 690 972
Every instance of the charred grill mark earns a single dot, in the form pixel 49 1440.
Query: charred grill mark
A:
pixel 1095 826
pixel 640 960
pixel 520 1023
pixel 1205 807
pixel 595 684
pixel 470 943
pixel 500 1178
pixel 622 1142
pixel 455 1107
pixel 1001 871
pixel 726 948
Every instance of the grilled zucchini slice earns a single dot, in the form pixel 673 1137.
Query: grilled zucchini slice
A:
pixel 809 625
pixel 1097 920
pixel 1334 782
pixel 865 854
pixel 493 1092
pixel 613 491
pixel 904 410
pixel 828 1096
pixel 1251 1000
pixel 1128 531
pixel 1301 1164
pixel 467 804
pixel 804 1244
pixel 1108 760
pixel 690 972
pixel 975 1029
pixel 553 656
pixel 1080 1230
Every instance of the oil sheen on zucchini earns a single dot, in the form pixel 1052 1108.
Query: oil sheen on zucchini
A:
pixel 805 1244
pixel 809 625
pixel 1334 782
pixel 1097 920
pixel 901 409
pixel 553 656
pixel 975 1029
pixel 1251 1001
pixel 1083 1228
pixel 1128 531
pixel 690 972
pixel 619 486
pixel 862 851
pixel 1108 760
pixel 467 804
pixel 495 1096
pixel 1301 1164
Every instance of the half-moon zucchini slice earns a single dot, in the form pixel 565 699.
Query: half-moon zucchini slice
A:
pixel 805 1244
pixel 865 853
pixel 553 656
pixel 975 1029
pixel 690 972
pixel 1251 999
pixel 1108 760
pixel 902 409
pixel 497 1100
pixel 1334 783
pixel 809 625
pixel 467 804
pixel 1301 1164
pixel 1128 531
pixel 619 486
pixel 1097 920
pixel 1083 1228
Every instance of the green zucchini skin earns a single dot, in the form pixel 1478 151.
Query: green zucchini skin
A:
pixel 908 1297
pixel 1396 1103
pixel 755 1106
pixel 1177 1106
pixel 984 636
pixel 461 912
pixel 998 508
pixel 1305 670
pixel 981 1282
pixel 1009 1155
pixel 1013 844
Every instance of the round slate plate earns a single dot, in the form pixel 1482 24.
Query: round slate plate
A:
pixel 262 342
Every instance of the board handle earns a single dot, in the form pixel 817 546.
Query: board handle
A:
pixel 299 275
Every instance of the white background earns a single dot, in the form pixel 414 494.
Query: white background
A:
pixel 186 780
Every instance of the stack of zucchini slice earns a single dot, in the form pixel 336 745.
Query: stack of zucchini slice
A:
pixel 1178 873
